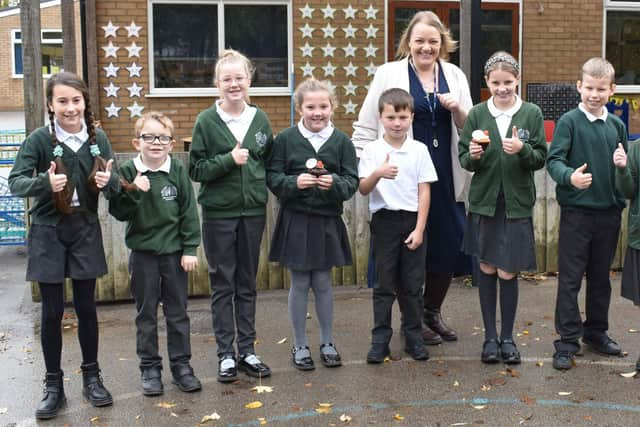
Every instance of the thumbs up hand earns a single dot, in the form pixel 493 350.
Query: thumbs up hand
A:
pixel 102 177
pixel 142 182
pixel 240 155
pixel 620 157
pixel 387 170
pixel 512 145
pixel 581 180
pixel 57 181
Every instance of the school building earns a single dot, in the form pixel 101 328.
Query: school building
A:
pixel 160 54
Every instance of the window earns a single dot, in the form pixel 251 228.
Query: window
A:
pixel 499 26
pixel 51 50
pixel 186 40
pixel 622 42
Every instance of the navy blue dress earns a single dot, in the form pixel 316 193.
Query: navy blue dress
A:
pixel 445 224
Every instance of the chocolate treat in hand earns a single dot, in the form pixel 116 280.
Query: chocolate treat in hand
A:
pixel 315 167
pixel 481 137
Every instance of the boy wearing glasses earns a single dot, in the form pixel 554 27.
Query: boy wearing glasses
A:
pixel 163 233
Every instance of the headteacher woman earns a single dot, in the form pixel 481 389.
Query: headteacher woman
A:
pixel 441 101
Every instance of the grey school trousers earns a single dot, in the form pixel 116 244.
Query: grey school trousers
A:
pixel 155 279
pixel 232 247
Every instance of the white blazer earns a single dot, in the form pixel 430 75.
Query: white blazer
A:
pixel 396 74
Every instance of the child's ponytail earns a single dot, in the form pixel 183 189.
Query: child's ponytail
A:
pixel 61 199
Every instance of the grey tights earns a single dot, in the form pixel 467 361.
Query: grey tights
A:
pixel 320 282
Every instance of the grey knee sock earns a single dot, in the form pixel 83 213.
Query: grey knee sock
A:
pixel 508 306
pixel 323 293
pixel 300 282
pixel 488 294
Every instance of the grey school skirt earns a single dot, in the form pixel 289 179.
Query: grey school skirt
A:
pixel 309 242
pixel 507 244
pixel 72 248
pixel 630 287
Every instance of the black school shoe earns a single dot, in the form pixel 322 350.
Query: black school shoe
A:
pixel 490 351
pixel 603 344
pixel 152 381
pixel 227 369
pixel 417 352
pixel 509 352
pixel 252 366
pixel 378 352
pixel 301 357
pixel 563 360
pixel 184 378
pixel 329 356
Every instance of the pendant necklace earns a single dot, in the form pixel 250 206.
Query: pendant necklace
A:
pixel 432 104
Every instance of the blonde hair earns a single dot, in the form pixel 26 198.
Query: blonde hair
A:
pixel 231 56
pixel 598 68
pixel 449 45
pixel 313 85
pixel 159 117
pixel 504 61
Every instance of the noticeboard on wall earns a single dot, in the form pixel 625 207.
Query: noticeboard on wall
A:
pixel 554 99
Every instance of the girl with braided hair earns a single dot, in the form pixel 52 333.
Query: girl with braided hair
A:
pixel 64 166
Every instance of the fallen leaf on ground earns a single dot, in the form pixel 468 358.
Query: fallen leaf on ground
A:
pixel 398 417
pixel 253 405
pixel 212 417
pixel 122 358
pixel 478 407
pixel 345 418
pixel 262 389
pixel 307 385
pixel 513 372
pixel 485 387
pixel 633 331
pixel 94 419
pixel 308 315
pixel 588 418
pixel 496 381
pixel 387 359
pixel 1 335
pixel 27 350
pixel 283 340
pixel 526 418
pixel 629 374
pixel 540 364
pixel 459 424
pixel 565 393
pixel 456 384
pixel 528 400
pixel 138 416
pixel 173 414
pixel 440 372
pixel 323 409
pixel 3 410
pixel 262 421
pixel 165 405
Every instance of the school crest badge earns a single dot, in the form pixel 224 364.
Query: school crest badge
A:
pixel 169 192
pixel 523 135
pixel 261 138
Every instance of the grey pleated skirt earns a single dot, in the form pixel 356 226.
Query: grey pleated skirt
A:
pixel 630 287
pixel 507 244
pixel 303 241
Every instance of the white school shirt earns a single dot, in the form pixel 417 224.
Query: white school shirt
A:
pixel 74 141
pixel 317 139
pixel 142 168
pixel 503 118
pixel 414 166
pixel 592 118
pixel 239 126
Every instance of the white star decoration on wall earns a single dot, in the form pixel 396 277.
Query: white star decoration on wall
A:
pixel 350 88
pixel 330 86
pixel 328 50
pixel 111 70
pixel 350 107
pixel 112 110
pixel 371 31
pixel 307 30
pixel 134 90
pixel 329 69
pixel 349 50
pixel 306 50
pixel 134 50
pixel 112 90
pixel 349 13
pixel 350 69
pixel 349 31
pixel 110 30
pixel 110 50
pixel 307 70
pixel 371 12
pixel 328 12
pixel 133 30
pixel 134 70
pixel 306 11
pixel 328 31
pixel 371 69
pixel 370 50
pixel 135 110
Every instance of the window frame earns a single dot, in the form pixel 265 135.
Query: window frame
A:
pixel 15 41
pixel 618 6
pixel 155 92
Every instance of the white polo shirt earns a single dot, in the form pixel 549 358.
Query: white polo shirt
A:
pixel 239 126
pixel 414 167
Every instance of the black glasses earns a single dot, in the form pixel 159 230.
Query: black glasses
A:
pixel 150 139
